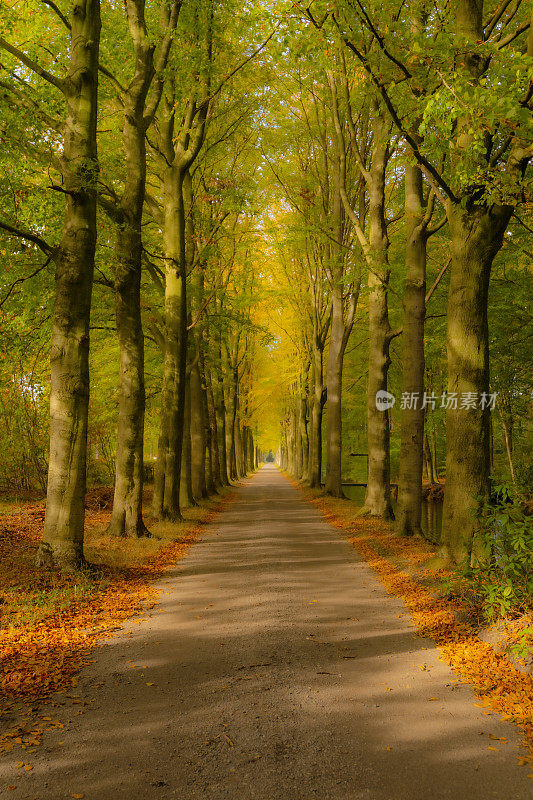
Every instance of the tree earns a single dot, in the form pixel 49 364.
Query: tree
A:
pixel 62 542
pixel 481 185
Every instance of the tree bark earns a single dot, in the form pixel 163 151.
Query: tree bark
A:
pixel 176 335
pixel 428 455
pixel 315 439
pixel 413 363
pixel 199 487
pixel 62 542
pixel 126 517
pixel 378 500
pixel 476 236
pixel 213 425
pixel 222 434
pixel 186 491
pixel 304 438
pixel 167 395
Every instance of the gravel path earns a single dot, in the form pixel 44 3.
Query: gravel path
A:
pixel 275 667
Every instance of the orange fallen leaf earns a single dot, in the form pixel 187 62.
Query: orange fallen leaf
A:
pixel 27 767
pixel 493 748
pixel 499 685
pixel 77 795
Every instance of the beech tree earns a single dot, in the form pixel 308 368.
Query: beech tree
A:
pixel 483 182
pixel 62 542
pixel 277 225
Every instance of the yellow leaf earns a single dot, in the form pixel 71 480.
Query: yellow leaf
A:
pixel 493 748
pixel 150 684
pixel 28 767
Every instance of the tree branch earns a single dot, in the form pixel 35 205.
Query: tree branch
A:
pixel 434 178
pixel 27 278
pixel 31 64
pixel 29 236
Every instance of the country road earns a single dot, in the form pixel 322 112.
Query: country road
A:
pixel 275 667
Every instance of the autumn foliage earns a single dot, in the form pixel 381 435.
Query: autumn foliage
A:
pixel 51 620
pixel 500 686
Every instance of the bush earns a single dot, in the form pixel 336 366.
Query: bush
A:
pixel 503 576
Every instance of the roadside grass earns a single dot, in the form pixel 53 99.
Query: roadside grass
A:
pixel 29 594
pixel 446 609
pixel 50 621
pixel 411 554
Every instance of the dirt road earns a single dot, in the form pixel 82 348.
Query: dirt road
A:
pixel 275 667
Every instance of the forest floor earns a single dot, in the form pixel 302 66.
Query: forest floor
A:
pixel 276 665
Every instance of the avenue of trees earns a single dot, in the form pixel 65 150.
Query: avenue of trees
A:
pixel 227 227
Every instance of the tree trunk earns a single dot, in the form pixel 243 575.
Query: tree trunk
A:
pixel 476 237
pixel 199 488
pixel 428 455
pixel 377 500
pixel 238 444
pixel 315 439
pixel 186 492
pixel 209 455
pixel 233 466
pixel 176 335
pixel 413 364
pixel 251 450
pixel 334 402
pixel 126 518
pixel 298 454
pixel 167 397
pixel 62 542
pixel 222 434
pixel 433 447
pixel 304 437
pixel 212 416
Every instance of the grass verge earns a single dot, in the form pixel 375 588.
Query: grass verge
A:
pixel 50 621
pixel 453 623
